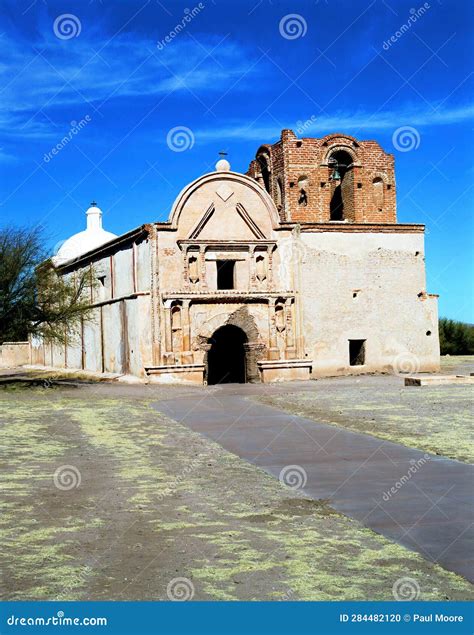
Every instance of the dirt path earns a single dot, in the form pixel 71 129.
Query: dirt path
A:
pixel 422 501
pixel 149 501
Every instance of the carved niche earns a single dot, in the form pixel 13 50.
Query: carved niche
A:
pixel 260 268
pixel 193 269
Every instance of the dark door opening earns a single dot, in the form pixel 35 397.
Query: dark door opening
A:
pixel 226 357
pixel 356 352
pixel 225 274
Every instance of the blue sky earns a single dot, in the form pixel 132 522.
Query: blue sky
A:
pixel 234 75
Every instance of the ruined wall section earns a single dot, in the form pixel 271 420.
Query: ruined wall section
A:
pixel 300 179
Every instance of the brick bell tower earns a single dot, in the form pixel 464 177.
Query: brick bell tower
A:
pixel 336 179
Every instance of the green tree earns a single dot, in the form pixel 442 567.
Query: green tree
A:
pixel 456 338
pixel 34 299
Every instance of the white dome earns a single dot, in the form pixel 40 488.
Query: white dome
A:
pixel 82 242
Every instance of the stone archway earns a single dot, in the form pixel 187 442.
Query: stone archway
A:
pixel 226 358
pixel 254 347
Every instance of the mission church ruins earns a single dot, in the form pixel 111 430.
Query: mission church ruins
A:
pixel 295 270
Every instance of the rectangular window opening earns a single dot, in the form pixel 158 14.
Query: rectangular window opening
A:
pixel 225 274
pixel 357 352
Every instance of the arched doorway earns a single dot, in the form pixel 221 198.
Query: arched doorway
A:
pixel 226 357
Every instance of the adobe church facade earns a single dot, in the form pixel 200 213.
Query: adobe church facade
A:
pixel 296 270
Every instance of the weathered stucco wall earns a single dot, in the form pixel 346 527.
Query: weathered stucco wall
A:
pixel 116 336
pixel 74 352
pixel 367 286
pixel 123 272
pixel 14 354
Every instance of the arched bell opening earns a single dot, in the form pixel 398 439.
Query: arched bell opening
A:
pixel 342 186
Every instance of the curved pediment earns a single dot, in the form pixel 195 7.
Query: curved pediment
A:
pixel 204 229
pixel 224 206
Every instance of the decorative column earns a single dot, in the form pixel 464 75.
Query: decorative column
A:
pixel 202 267
pixel 252 277
pixel 273 351
pixel 270 266
pixel 290 337
pixel 185 267
pixel 187 356
pixel 168 355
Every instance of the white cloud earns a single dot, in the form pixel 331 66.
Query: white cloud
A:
pixel 37 78
pixel 41 81
pixel 362 121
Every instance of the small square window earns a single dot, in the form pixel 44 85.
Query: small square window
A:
pixel 225 274
pixel 357 352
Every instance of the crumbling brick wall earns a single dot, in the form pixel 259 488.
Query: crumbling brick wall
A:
pixel 294 164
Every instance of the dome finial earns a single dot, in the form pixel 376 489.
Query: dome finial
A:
pixel 94 217
pixel 222 165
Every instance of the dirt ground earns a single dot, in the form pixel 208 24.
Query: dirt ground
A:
pixel 106 499
pixel 436 419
